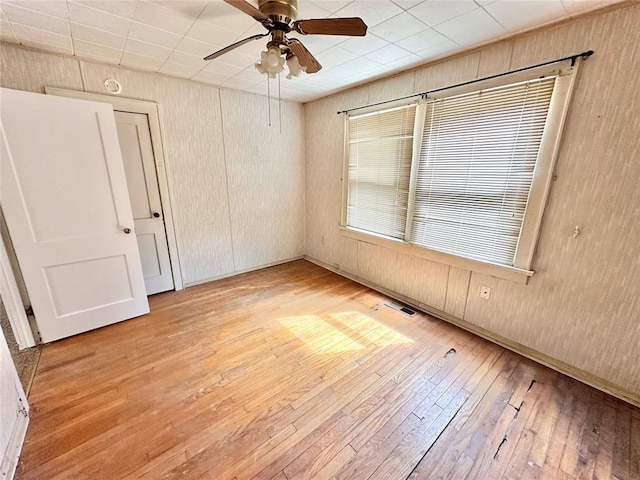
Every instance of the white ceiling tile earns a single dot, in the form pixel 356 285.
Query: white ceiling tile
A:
pixel 308 10
pixel 423 40
pixel 437 51
pixel 320 43
pixel 6 32
pixel 335 56
pixel 330 6
pixel 255 76
pixel 209 33
pixel 237 59
pixel 364 45
pixel 98 19
pixel 434 12
pixel 140 62
pixel 163 18
pixel 99 37
pixel 97 52
pixel 388 54
pixel 404 62
pixel 147 49
pixel 372 12
pixel 41 38
pixel 211 77
pixel 179 70
pixel 224 15
pixel 214 67
pixel 407 4
pixel 54 8
pixel 254 29
pixel 186 59
pixel 190 9
pixel 303 87
pixel 399 27
pixel 360 65
pixel 145 33
pixel 196 47
pixel 519 15
pixel 36 20
pixel 253 49
pixel 122 8
pixel 484 28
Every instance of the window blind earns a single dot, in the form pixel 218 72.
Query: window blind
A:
pixel 478 154
pixel 380 149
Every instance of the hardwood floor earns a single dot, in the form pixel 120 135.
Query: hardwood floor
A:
pixel 293 372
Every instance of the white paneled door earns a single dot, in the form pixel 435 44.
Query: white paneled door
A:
pixel 142 179
pixel 64 195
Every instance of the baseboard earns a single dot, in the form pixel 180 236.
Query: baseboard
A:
pixel 240 272
pixel 10 460
pixel 539 357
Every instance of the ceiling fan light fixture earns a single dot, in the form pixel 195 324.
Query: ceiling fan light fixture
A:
pixel 271 62
pixel 294 67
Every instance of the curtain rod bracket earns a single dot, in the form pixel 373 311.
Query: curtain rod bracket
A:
pixel 583 55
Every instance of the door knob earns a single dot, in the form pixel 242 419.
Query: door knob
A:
pixel 126 230
pixel 156 214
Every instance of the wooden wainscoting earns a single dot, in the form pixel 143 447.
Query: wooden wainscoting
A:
pixel 293 372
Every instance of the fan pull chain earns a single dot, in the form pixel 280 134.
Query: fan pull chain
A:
pixel 279 106
pixel 269 98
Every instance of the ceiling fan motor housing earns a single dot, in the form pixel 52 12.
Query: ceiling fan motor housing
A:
pixel 280 11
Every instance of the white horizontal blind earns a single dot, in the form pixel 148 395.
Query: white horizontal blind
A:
pixel 380 148
pixel 476 166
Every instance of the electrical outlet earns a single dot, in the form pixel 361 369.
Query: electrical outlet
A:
pixel 322 240
pixel 485 292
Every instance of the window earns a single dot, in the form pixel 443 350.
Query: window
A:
pixel 464 174
pixel 380 150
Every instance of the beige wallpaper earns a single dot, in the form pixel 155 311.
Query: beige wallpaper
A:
pixel 582 306
pixel 261 161
pixel 202 127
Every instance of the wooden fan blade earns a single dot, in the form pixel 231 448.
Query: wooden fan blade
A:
pixel 249 9
pixel 305 58
pixel 353 26
pixel 234 45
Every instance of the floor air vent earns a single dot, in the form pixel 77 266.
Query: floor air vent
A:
pixel 401 308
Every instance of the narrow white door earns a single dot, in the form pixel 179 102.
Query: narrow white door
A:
pixel 142 180
pixel 64 195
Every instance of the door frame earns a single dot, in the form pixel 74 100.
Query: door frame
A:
pixel 152 110
pixel 12 302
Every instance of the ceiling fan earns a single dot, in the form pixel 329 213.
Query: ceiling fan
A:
pixel 279 18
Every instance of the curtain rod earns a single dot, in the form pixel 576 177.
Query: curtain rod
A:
pixel 573 59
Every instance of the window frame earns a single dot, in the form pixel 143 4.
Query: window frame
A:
pixel 540 185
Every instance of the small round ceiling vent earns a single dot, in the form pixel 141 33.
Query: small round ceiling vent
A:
pixel 112 85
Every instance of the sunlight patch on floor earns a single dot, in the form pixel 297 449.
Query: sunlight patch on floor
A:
pixel 372 330
pixel 319 335
pixel 356 332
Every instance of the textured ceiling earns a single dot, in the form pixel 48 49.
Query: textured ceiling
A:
pixel 171 37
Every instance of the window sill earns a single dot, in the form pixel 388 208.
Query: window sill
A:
pixel 512 274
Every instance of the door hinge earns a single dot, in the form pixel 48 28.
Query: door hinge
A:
pixel 22 409
pixel 29 311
